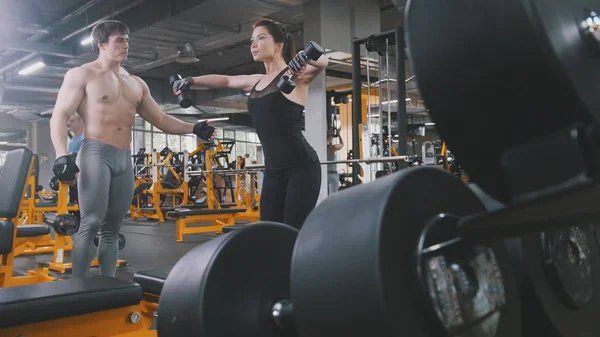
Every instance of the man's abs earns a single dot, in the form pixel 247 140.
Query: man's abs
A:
pixel 109 106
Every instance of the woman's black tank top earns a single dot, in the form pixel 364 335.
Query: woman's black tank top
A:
pixel 278 123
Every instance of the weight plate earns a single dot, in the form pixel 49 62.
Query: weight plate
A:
pixel 567 262
pixel 528 60
pixel 227 286
pixel 65 224
pixel 556 297
pixel 354 269
pixel 464 282
pixel 54 183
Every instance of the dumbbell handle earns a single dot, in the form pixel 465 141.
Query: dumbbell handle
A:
pixel 282 313
pixel 552 211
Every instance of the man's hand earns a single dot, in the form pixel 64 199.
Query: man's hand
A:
pixel 182 85
pixel 205 131
pixel 65 169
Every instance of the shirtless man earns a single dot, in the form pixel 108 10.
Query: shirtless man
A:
pixel 107 99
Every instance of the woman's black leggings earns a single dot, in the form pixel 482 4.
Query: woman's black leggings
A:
pixel 289 198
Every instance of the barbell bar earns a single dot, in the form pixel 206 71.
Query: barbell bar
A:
pixel 258 168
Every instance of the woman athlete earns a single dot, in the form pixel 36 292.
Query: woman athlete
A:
pixel 292 179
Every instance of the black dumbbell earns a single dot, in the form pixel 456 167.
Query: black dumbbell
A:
pixel 183 98
pixel 312 51
pixel 54 183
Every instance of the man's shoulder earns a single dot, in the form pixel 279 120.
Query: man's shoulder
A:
pixel 79 73
pixel 139 80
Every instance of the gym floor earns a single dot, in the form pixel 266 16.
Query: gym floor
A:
pixel 150 244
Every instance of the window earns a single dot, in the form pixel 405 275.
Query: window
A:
pixel 240 149
pixel 173 142
pixel 227 134
pixel 240 136
pixel 251 151
pixel 188 143
pixel 147 141
pixel 159 141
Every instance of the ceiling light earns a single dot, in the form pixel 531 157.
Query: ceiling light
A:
pixel 213 119
pixel 87 40
pixel 32 68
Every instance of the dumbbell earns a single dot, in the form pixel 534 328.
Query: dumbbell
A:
pixel 122 241
pixel 183 98
pixel 312 51
pixel 54 183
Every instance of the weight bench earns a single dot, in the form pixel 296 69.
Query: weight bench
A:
pixel 152 280
pixel 103 305
pixel 220 217
pixel 28 231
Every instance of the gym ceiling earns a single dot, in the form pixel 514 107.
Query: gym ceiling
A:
pixel 190 37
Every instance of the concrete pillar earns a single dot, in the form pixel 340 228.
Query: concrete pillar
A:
pixel 40 143
pixel 333 24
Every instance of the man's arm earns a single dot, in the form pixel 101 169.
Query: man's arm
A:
pixel 68 100
pixel 150 111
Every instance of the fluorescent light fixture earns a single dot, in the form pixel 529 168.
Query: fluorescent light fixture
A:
pixel 32 68
pixel 214 119
pixel 407 99
pixel 429 124
pixel 87 40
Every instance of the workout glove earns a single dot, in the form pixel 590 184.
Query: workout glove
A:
pixel 204 131
pixel 182 85
pixel 65 168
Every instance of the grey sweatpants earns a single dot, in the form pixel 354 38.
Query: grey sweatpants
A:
pixel 105 191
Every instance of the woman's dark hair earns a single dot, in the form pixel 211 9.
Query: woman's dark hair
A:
pixel 279 35
pixel 104 30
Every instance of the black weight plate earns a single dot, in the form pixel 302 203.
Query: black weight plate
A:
pixel 227 286
pixel 354 265
pixel 65 224
pixel 545 310
pixel 54 183
pixel 525 65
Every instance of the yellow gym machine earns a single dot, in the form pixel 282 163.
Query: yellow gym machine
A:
pixel 246 192
pixel 213 211
pixel 152 184
pixel 32 212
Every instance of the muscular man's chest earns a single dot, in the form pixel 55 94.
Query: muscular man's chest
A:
pixel 111 89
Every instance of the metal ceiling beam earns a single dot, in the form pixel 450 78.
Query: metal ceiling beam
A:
pixel 48 29
pixel 36 47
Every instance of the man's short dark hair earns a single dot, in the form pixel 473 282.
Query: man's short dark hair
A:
pixel 104 30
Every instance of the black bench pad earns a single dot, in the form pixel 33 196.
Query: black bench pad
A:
pixel 51 204
pixel 6 236
pixel 65 298
pixel 152 280
pixel 184 212
pixel 28 231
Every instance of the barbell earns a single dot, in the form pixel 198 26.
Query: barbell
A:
pixel 260 167
pixel 392 257
pixel 374 260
